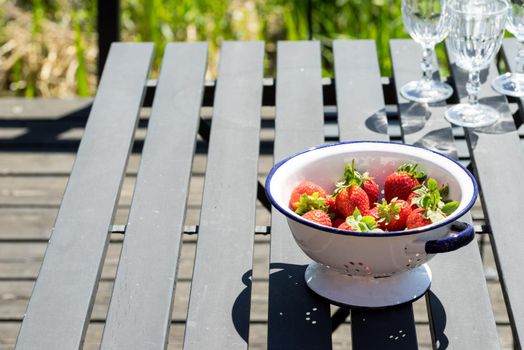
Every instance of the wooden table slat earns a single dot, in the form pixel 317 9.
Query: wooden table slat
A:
pixel 218 316
pixel 426 127
pixel 361 108
pixel 139 315
pixel 509 50
pixel 358 85
pixel 63 296
pixel 392 328
pixel 498 161
pixel 298 126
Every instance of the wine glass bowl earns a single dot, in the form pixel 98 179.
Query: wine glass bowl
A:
pixel 426 23
pixel 512 84
pixel 475 35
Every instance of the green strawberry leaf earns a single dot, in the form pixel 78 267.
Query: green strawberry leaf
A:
pixel 351 177
pixel 386 211
pixel 369 221
pixel 412 171
pixel 362 223
pixel 432 184
pixel 435 198
pixel 425 202
pixel 434 215
pixel 450 207
pixel 420 176
pixel 444 191
pixel 310 202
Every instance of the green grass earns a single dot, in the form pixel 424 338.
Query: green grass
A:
pixel 215 21
pixel 82 83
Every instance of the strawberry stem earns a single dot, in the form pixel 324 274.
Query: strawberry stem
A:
pixel 351 177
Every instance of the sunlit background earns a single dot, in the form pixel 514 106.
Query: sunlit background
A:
pixel 49 48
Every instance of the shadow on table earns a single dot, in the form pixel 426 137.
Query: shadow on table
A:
pixel 378 122
pixel 414 117
pixel 437 321
pixel 297 318
pixel 240 312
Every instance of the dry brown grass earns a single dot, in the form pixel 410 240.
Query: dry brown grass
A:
pixel 47 59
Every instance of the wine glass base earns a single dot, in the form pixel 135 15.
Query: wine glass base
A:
pixel 426 91
pixel 511 84
pixel 472 116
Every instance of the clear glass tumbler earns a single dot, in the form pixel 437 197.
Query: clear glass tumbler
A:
pixel 426 22
pixel 475 36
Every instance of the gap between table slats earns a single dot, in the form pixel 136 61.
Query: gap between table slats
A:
pixel 218 315
pixel 299 124
pixel 451 309
pixel 498 162
pixel 140 310
pixel 60 306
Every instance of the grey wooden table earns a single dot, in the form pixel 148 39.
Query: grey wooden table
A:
pixel 139 317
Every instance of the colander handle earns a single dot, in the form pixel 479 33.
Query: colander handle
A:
pixel 462 234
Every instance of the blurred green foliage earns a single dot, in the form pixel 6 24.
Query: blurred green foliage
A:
pixel 215 21
pixel 271 20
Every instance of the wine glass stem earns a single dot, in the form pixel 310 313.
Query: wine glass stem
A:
pixel 520 58
pixel 427 62
pixel 473 87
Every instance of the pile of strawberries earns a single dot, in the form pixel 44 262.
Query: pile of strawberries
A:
pixel 410 200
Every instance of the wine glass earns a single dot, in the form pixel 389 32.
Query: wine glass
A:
pixel 426 22
pixel 512 84
pixel 475 36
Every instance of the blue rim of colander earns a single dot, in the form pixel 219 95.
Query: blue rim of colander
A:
pixel 293 216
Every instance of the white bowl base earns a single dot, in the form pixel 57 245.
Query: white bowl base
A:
pixel 368 291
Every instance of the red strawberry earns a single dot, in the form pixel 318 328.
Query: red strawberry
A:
pixel 345 226
pixel 353 177
pixel 350 198
pixel 331 203
pixel 318 216
pixel 401 182
pixel 410 199
pixel 373 212
pixel 417 219
pixel 306 187
pixel 392 216
pixel 372 190
pixel 338 220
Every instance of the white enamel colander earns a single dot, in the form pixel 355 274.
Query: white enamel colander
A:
pixel 371 269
